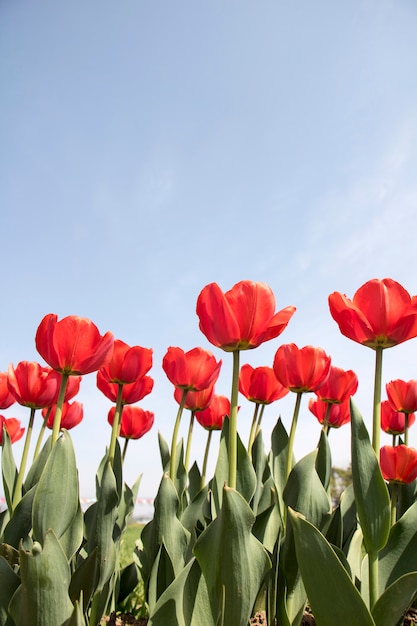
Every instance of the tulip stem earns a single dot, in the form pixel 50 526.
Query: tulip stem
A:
pixel 41 434
pixel 406 429
pixel 189 439
pixel 376 425
pixel 173 459
pixel 292 432
pixel 125 448
pixel 17 492
pixel 373 578
pixel 58 410
pixel 206 452
pixel 233 422
pixel 116 423
pixel 394 497
pixel 253 429
pixel 258 425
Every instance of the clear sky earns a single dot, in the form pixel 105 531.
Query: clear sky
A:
pixel 149 147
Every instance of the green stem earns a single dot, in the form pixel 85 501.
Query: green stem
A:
pixel 41 434
pixel 373 578
pixel 17 493
pixel 233 422
pixel 125 448
pixel 394 496
pixel 173 458
pixel 261 414
pixel 58 410
pixel 116 424
pixel 253 429
pixel 206 453
pixel 189 439
pixel 326 420
pixel 376 424
pixel 292 432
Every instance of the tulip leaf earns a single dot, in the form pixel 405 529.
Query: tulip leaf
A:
pixel 20 524
pixel 72 537
pixel 194 481
pixel 278 461
pixel 391 606
pixel 161 577
pixel 325 579
pixel 42 598
pixel 185 602
pixel 8 468
pixel 243 565
pixel 56 502
pixel 165 452
pixel 399 556
pixel 324 460
pixel 371 493
pixel 38 465
pixel 77 617
pixel 10 581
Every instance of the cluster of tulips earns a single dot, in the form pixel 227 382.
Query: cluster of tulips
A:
pixel 261 533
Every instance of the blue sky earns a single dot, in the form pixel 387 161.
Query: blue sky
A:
pixel 149 148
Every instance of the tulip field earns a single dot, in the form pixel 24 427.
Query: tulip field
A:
pixel 259 535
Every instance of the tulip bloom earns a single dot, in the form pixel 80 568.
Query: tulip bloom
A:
pixel 33 385
pixel 195 400
pixel 6 398
pixel 127 364
pixel 402 395
pixel 339 386
pixel 135 421
pixel 72 415
pixel 398 463
pixel 241 318
pixel 131 393
pixel 213 416
pixel 381 314
pixel 301 369
pixel 13 427
pixel 194 370
pixel 260 385
pixel 335 416
pixel 392 421
pixel 73 345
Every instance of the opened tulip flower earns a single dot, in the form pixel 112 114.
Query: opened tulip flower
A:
pixel 241 318
pixel 398 463
pixel 330 415
pixel 33 385
pixel 393 421
pixel 194 370
pixel 72 415
pixel 402 395
pixel 135 422
pixel 131 393
pixel 212 419
pixel 128 363
pixel 260 385
pixel 6 397
pixel 339 386
pixel 13 427
pixel 195 400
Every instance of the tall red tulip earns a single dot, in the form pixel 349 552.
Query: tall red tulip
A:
pixel 194 370
pixel 33 385
pixel 6 398
pixel 131 393
pixel 128 363
pixel 135 421
pixel 402 395
pixel 398 463
pixel 260 385
pixel 13 427
pixel 301 369
pixel 72 415
pixel 339 386
pixel 381 314
pixel 73 345
pixel 241 318
pixel 392 421
pixel 213 416
pixel 195 400
pixel 336 416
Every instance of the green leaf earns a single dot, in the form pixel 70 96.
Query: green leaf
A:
pixel 391 606
pixel 371 493
pixel 8 468
pixel 10 581
pixel 38 465
pixel 56 500
pixel 326 579
pixel 20 524
pixel 42 598
pixel 165 452
pixel 129 578
pixel 243 565
pixel 77 617
pixel 324 460
pixel 278 461
pixel 399 556
pixel 194 481
pixel 161 577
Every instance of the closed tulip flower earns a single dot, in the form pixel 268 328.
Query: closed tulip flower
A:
pixel 195 400
pixel 336 416
pixel 392 421
pixel 260 385
pixel 135 421
pixel 381 314
pixel 72 415
pixel 213 416
pixel 73 345
pixel 13 427
pixel 339 386
pixel 33 385
pixel 6 397
pixel 402 395
pixel 128 363
pixel 131 393
pixel 241 318
pixel 398 464
pixel 301 369
pixel 194 370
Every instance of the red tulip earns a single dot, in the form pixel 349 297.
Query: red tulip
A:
pixel 338 386
pixel 399 463
pixel 6 398
pixel 135 421
pixel 241 318
pixel 13 427
pixel 301 369
pixel 33 385
pixel 393 422
pixel 260 385
pixel 213 416
pixel 402 395
pixel 127 364
pixel 381 314
pixel 72 415
pixel 195 400
pixel 73 345
pixel 131 393
pixel 338 415
pixel 194 370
